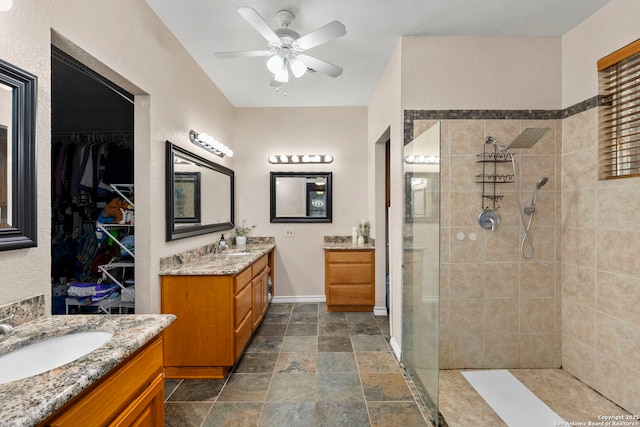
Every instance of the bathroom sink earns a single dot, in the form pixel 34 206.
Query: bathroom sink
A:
pixel 49 354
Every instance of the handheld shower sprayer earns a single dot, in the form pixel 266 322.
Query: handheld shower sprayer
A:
pixel 529 210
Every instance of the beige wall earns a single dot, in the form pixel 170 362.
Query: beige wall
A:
pixel 385 123
pixel 262 132
pixel 609 29
pixel 600 268
pixel 173 96
pixel 487 73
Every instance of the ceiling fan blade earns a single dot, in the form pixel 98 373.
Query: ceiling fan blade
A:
pixel 324 34
pixel 242 54
pixel 258 23
pixel 320 65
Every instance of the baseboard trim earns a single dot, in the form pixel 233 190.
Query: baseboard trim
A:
pixel 396 349
pixel 289 299
pixel 380 311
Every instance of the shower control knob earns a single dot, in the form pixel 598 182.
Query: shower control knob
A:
pixel 489 219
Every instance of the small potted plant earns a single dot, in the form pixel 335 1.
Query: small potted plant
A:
pixel 242 231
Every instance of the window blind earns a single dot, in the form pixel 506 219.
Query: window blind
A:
pixel 619 123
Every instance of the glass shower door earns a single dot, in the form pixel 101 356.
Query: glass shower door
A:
pixel 421 260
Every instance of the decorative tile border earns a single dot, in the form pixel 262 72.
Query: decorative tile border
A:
pixel 23 311
pixel 411 115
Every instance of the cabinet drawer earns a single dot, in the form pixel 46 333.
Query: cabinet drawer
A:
pixel 349 257
pixel 242 304
pixel 242 334
pixel 242 279
pixel 350 294
pixel 349 273
pixel 260 265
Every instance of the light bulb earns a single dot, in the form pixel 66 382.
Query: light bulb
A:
pixel 410 158
pixel 297 67
pixel 273 159
pixel 282 75
pixel 5 5
pixel 295 159
pixel 328 158
pixel 275 63
pixel 306 158
pixel 283 159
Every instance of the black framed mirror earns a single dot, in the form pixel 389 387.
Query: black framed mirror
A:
pixel 199 195
pixel 301 197
pixel 18 198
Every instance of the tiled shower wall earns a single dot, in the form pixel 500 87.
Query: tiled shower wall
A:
pixel 600 269
pixel 497 309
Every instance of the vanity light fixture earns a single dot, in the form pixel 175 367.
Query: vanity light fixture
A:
pixel 210 144
pixel 428 160
pixel 300 158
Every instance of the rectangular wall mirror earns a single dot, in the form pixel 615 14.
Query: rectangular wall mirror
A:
pixel 301 197
pixel 199 195
pixel 18 217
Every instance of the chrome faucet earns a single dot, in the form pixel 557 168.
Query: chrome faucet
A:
pixel 5 328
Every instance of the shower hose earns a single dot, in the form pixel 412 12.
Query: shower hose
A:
pixel 526 238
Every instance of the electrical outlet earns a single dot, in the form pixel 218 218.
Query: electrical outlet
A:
pixel 289 232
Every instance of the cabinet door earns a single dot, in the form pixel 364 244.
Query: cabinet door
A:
pixel 202 334
pixel 257 305
pixel 265 290
pixel 147 410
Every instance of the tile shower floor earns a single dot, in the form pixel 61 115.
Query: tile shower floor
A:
pixel 571 399
pixel 304 367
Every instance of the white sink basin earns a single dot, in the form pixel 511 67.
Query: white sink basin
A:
pixel 51 353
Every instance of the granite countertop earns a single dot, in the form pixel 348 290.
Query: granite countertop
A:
pixel 229 262
pixel 31 400
pixel 346 246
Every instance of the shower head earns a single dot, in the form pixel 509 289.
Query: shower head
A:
pixel 528 138
pixel 542 182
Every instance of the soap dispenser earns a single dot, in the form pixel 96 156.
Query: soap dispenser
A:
pixel 222 244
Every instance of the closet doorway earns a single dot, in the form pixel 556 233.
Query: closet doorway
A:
pixel 92 170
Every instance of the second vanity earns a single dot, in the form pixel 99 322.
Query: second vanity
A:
pixel 349 275
pixel 219 300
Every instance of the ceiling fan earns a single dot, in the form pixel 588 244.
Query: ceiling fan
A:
pixel 286 47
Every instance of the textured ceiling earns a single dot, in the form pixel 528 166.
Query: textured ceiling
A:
pixel 373 31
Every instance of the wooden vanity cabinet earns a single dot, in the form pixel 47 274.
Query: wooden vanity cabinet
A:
pixel 216 317
pixel 131 394
pixel 349 280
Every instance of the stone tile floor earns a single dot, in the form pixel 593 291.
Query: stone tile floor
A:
pixel 304 367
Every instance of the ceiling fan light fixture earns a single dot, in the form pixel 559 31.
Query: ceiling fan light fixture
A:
pixel 275 63
pixel 297 67
pixel 282 75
